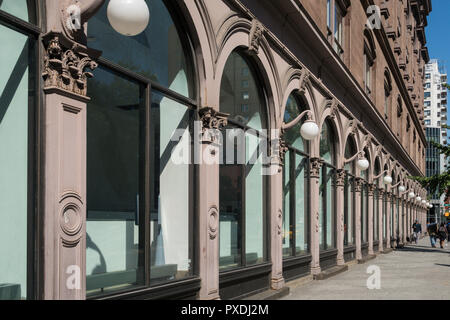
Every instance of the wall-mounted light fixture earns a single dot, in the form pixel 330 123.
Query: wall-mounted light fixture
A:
pixel 128 17
pixel 309 130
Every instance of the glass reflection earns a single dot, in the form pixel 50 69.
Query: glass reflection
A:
pixel 157 53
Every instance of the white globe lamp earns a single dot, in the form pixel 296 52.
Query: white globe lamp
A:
pixel 411 195
pixel 362 164
pixel 128 17
pixel 401 189
pixel 387 180
pixel 309 130
pixel 419 199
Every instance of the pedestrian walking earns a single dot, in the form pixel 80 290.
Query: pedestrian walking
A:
pixel 442 234
pixel 417 230
pixel 432 231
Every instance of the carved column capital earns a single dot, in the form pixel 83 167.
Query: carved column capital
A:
pixel 358 184
pixel 212 121
pixel 340 177
pixel 315 164
pixel 66 63
pixel 371 189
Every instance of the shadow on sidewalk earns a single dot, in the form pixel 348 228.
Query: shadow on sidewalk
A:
pixel 423 249
pixel 442 265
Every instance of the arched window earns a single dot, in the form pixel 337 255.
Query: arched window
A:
pixel 369 61
pixel 295 183
pixel 349 194
pixel 242 183
pixel 327 208
pixel 159 53
pixel 18 122
pixel 138 144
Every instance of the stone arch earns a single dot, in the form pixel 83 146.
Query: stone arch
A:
pixel 235 34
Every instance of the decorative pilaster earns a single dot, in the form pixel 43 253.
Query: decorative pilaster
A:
pixel 380 219
pixel 388 219
pixel 209 221
pixel 340 181
pixel 371 190
pixel 358 231
pixel 276 213
pixel 314 172
pixel 66 66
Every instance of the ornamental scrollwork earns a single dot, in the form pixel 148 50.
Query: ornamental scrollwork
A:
pixel 66 64
pixel 340 177
pixel 212 121
pixel 314 167
pixel 256 34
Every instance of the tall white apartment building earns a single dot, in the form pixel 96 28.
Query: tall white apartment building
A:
pixel 435 102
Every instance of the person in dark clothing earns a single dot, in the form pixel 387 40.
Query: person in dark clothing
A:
pixel 417 229
pixel 442 234
pixel 432 231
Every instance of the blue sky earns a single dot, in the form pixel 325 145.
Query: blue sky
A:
pixel 438 31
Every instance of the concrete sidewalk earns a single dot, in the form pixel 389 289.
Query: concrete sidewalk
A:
pixel 416 272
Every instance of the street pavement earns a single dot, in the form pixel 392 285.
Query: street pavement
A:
pixel 416 272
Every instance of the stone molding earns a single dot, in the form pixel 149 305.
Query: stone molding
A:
pixel 256 34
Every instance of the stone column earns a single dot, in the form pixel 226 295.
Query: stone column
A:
pixel 394 220
pixel 371 190
pixel 315 167
pixel 388 219
pixel 207 152
pixel 380 219
pixel 358 231
pixel 276 215
pixel 405 209
pixel 65 86
pixel 340 180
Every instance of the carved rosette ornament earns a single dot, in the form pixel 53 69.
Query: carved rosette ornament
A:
pixel 213 222
pixel 66 63
pixel 340 177
pixel 256 34
pixel 315 164
pixel 212 121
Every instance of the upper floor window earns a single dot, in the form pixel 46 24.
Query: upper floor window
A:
pixel 335 24
pixel 427 76
pixel 387 92
pixel 369 60
pixel 427 95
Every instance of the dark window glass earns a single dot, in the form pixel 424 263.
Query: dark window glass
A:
pixel 115 155
pixel 157 53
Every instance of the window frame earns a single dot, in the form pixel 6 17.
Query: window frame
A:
pixel 252 70
pixel 35 195
pixel 192 104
